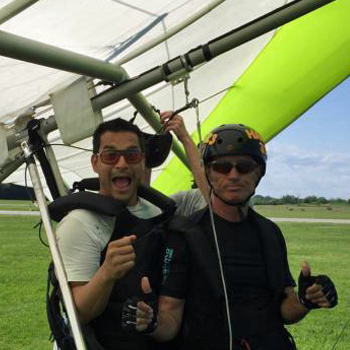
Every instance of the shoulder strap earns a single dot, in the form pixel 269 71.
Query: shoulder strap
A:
pixel 107 205
pixel 60 207
pixel 61 332
pixel 159 199
pixel 270 238
pixel 200 247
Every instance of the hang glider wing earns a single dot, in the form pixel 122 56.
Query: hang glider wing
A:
pixel 304 60
pixel 282 72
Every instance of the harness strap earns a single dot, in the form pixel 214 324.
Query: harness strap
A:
pixel 105 205
pixel 245 344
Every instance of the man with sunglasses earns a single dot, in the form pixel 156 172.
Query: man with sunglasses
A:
pixel 189 201
pixel 104 260
pixel 229 278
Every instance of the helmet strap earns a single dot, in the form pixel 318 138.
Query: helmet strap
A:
pixel 239 204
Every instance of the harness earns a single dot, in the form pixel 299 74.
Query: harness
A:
pixel 103 332
pixel 204 260
pixel 148 245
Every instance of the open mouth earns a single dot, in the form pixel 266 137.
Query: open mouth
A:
pixel 121 182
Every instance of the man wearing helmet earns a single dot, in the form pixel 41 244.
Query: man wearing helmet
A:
pixel 230 281
pixel 234 157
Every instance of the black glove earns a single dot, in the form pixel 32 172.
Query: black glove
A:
pixel 328 289
pixel 129 319
pixel 129 310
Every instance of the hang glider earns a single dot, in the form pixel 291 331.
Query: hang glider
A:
pixel 271 77
pixel 265 60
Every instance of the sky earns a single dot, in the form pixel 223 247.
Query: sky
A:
pixel 312 155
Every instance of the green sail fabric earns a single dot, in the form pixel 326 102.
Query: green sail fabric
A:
pixel 304 60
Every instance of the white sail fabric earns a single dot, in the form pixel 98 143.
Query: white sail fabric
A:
pixel 99 29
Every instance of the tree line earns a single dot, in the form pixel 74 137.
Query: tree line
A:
pixel 290 199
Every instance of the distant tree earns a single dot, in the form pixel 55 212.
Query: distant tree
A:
pixel 322 200
pixel 289 199
pixel 310 199
pixel 258 199
pixel 338 201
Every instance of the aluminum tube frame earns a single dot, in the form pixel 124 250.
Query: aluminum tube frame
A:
pixel 14 8
pixel 215 47
pixel 55 253
pixel 180 64
pixel 264 24
pixel 17 47
pixel 145 109
pixel 51 158
pixel 9 168
pixel 169 33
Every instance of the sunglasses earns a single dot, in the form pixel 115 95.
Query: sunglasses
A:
pixel 241 166
pixel 131 156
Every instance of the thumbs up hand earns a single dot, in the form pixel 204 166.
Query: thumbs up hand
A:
pixel 139 313
pixel 315 292
pixel 147 309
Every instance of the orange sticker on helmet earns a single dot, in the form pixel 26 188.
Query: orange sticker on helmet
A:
pixel 211 139
pixel 253 135
pixel 262 148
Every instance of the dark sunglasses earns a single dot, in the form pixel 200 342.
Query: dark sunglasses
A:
pixel 111 156
pixel 242 166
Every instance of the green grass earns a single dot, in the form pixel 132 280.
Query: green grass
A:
pixel 305 211
pixel 327 249
pixel 24 260
pixel 17 205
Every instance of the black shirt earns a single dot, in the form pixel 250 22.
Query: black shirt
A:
pixel 241 256
pixel 251 299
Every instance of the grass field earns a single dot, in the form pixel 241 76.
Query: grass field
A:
pixel 17 205
pixel 24 260
pixel 323 211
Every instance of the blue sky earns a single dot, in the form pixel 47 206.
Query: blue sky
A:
pixel 312 156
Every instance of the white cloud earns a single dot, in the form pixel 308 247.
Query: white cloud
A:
pixel 301 172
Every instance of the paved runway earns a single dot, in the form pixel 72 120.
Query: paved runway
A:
pixel 19 212
pixel 326 221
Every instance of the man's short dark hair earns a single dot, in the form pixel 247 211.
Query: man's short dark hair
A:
pixel 116 125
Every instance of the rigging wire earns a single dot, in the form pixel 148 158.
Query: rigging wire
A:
pixel 192 104
pixel 62 144
pixel 167 50
pixel 215 233
pixel 195 105
pixel 40 223
pixel 341 333
pixel 222 275
pixel 216 93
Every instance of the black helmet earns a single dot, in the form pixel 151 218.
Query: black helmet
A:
pixel 232 139
pixel 157 148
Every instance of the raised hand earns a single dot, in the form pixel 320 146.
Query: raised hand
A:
pixel 120 257
pixel 139 314
pixel 316 291
pixel 175 124
pixel 147 309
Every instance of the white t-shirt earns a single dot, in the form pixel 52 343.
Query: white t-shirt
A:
pixel 82 235
pixel 188 202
